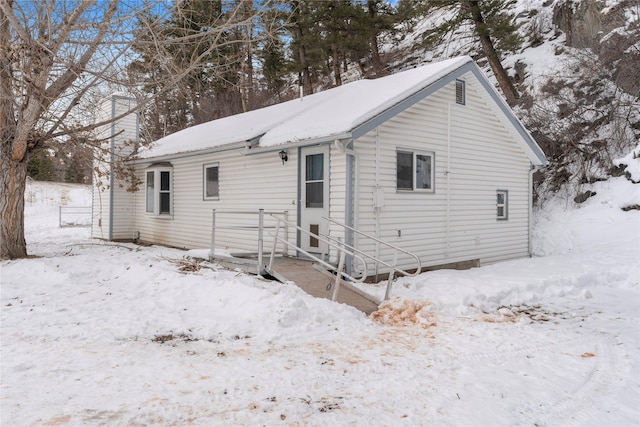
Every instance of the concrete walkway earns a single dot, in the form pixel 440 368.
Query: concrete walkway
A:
pixel 319 284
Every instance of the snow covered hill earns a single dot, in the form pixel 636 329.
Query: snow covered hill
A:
pixel 577 75
pixel 103 333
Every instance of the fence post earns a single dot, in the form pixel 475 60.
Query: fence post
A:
pixel 338 282
pixel 59 216
pixel 275 244
pixel 285 246
pixel 260 239
pixel 387 294
pixel 212 251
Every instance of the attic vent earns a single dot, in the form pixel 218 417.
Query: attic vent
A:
pixel 460 95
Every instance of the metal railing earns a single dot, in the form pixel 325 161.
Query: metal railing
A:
pixel 392 266
pixel 259 228
pixel 345 250
pixel 84 212
pixel 340 274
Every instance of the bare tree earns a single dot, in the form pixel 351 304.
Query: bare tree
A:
pixel 57 56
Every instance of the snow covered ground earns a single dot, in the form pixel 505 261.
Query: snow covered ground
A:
pixel 102 333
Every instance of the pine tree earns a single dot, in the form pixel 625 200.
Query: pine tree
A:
pixel 494 29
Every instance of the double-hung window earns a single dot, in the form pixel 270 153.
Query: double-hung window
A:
pixel 502 204
pixel 159 183
pixel 415 171
pixel 211 182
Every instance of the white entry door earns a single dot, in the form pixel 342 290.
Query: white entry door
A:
pixel 314 195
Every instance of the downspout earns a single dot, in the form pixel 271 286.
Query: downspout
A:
pixel 377 207
pixel 111 159
pixel 352 194
pixel 532 170
pixel 447 246
pixel 134 226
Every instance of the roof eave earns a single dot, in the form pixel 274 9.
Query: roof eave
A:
pixel 532 150
pixel 248 151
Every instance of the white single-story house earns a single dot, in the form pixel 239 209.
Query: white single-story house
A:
pixel 430 159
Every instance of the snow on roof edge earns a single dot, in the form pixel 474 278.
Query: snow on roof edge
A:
pixel 335 111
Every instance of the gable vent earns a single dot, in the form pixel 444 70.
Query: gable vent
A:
pixel 460 92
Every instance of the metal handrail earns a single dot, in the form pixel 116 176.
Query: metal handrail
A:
pixel 396 249
pixel 346 249
pixel 389 245
pixel 323 238
pixel 260 228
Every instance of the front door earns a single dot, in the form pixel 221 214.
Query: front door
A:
pixel 314 196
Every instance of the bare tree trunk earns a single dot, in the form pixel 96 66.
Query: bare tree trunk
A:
pixel 13 172
pixel 336 64
pixel 13 176
pixel 306 72
pixel 509 91
pixel 298 37
pixel 373 42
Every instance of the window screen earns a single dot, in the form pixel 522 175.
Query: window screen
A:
pixel 404 170
pixel 150 191
pixel 211 182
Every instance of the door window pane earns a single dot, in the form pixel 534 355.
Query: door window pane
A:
pixel 315 167
pixel 315 194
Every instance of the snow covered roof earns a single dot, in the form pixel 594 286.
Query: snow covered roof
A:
pixel 345 111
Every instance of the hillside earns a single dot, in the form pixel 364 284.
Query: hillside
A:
pixel 577 75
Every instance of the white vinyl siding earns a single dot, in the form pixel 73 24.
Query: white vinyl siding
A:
pixel 238 191
pixel 112 203
pixel 475 155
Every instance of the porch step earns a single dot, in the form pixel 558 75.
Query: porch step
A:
pixel 319 283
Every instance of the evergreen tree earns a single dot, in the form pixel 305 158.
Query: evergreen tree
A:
pixel 493 26
pixel 40 166
pixel 222 85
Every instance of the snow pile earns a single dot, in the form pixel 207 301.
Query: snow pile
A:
pixel 631 164
pixel 104 333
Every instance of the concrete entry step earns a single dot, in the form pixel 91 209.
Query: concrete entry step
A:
pixel 320 283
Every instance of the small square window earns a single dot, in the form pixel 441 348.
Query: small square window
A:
pixel 211 181
pixel 415 171
pixel 460 92
pixel 502 204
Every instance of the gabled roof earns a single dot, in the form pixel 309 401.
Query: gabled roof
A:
pixel 347 111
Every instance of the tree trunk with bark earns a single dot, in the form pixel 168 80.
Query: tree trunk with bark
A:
pixel 335 64
pixel 373 42
pixel 13 177
pixel 509 91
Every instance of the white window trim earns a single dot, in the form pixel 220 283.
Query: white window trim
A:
pixel 204 180
pixel 505 205
pixel 157 170
pixel 415 154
